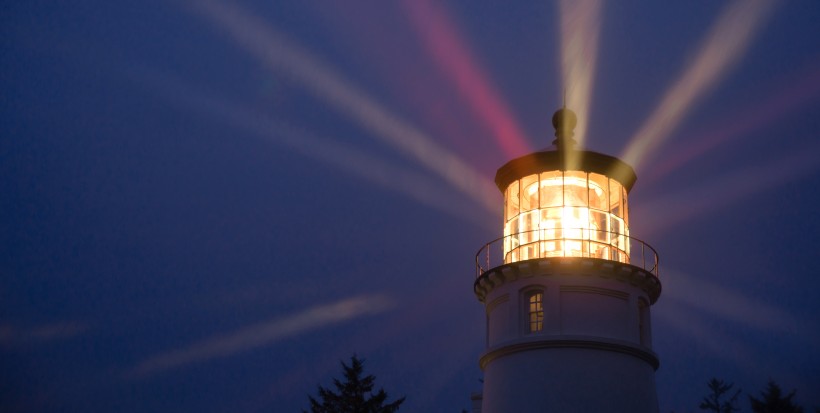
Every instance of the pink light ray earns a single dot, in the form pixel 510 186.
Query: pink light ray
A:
pixel 408 78
pixel 454 58
pixel 748 119
pixel 281 55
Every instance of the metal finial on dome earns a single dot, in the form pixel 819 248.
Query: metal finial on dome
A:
pixel 564 121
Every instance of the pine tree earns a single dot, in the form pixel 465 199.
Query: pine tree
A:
pixel 713 402
pixel 772 401
pixel 354 395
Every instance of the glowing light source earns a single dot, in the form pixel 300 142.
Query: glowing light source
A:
pixel 565 214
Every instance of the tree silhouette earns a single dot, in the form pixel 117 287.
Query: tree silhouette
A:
pixel 354 395
pixel 713 401
pixel 772 401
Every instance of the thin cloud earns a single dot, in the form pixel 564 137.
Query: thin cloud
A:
pixel 262 334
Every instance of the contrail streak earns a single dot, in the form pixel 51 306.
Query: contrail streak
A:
pixel 270 47
pixel 263 334
pixel 727 41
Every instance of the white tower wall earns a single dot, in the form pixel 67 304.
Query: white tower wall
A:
pixel 592 352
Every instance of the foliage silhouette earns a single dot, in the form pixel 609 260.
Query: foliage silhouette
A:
pixel 354 395
pixel 714 401
pixel 773 401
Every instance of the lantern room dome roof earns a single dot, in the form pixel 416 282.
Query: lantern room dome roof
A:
pixel 564 157
pixel 555 160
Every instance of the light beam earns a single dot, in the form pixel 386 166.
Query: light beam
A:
pixel 580 23
pixel 418 187
pixel 663 213
pixel 262 334
pixel 723 46
pixel 784 102
pixel 453 57
pixel 279 54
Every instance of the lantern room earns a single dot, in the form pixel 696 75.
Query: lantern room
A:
pixel 567 289
pixel 565 202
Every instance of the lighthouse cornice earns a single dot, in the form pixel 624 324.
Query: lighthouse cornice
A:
pixel 579 267
pixel 534 343
pixel 587 161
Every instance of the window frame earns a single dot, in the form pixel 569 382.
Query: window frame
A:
pixel 533 325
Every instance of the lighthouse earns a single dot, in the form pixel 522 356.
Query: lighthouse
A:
pixel 567 290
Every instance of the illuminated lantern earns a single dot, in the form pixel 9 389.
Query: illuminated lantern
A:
pixel 567 290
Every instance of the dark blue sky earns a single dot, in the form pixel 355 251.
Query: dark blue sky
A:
pixel 206 205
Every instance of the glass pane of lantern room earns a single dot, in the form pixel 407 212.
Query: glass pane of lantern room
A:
pixel 598 192
pixel 575 188
pixel 624 197
pixel 551 192
pixel 599 226
pixel 551 224
pixel 511 199
pixel 529 193
pixel 615 204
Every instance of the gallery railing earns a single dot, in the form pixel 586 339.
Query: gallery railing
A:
pixel 566 242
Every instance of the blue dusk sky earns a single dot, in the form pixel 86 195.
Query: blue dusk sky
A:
pixel 206 205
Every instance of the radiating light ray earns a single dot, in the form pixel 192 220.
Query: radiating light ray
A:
pixel 711 340
pixel 408 77
pixel 453 56
pixel 724 45
pixel 580 23
pixel 709 337
pixel 727 304
pixel 775 107
pixel 719 192
pixel 262 334
pixel 271 48
pixel 420 188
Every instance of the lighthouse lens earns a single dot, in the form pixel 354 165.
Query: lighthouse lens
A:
pixel 565 214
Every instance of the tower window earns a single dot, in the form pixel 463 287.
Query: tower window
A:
pixel 535 312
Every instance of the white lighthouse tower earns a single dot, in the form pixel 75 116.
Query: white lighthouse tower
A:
pixel 566 290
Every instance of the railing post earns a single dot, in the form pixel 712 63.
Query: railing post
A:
pixel 488 254
pixel 643 255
